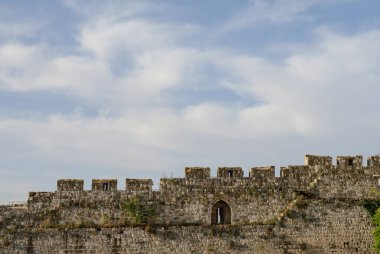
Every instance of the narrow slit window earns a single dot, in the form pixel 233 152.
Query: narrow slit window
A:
pixel 106 186
pixel 230 173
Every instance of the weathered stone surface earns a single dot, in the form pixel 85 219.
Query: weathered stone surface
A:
pixel 262 173
pixel 313 160
pixel 373 161
pixel 70 184
pixel 229 172
pixel 315 208
pixel 104 184
pixel 138 184
pixel 350 162
pixel 319 227
pixel 197 172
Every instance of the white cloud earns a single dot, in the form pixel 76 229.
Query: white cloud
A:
pixel 322 97
pixel 290 101
pixel 324 82
pixel 16 55
pixel 117 62
pixel 157 62
pixel 110 38
pixel 261 12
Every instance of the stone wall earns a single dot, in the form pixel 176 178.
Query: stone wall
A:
pixel 315 208
pixel 314 226
pixel 258 198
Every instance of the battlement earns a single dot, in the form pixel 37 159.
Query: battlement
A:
pixel 228 197
pixel 373 161
pixel 313 160
pixel 104 184
pixel 138 184
pixel 70 184
pixel 294 171
pixel 230 172
pixel 201 176
pixel 197 172
pixel 262 173
pixel 350 162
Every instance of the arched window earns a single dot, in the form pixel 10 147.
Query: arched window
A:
pixel 221 213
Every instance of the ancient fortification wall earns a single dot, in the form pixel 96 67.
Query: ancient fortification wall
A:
pixel 315 208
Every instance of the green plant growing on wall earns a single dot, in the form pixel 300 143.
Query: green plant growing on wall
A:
pixel 376 233
pixel 140 213
pixel 373 208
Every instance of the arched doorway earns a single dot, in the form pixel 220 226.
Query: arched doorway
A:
pixel 220 213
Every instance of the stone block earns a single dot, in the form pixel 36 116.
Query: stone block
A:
pixel 104 184
pixel 314 160
pixel 262 172
pixel 197 172
pixel 70 184
pixel 138 184
pixel 230 172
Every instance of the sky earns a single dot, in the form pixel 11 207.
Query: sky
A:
pixel 141 89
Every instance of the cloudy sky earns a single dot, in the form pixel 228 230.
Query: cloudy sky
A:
pixel 141 89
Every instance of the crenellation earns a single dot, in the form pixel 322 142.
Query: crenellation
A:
pixel 230 172
pixel 262 173
pixel 138 184
pixel 197 172
pixel 70 184
pixel 314 160
pixel 350 162
pixel 104 184
pixel 373 161
pixel 291 213
pixel 36 194
pixel 297 172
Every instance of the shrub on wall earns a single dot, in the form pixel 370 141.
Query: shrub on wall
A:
pixel 139 212
pixel 376 233
pixel 373 208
